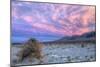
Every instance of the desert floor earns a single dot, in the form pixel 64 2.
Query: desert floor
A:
pixel 62 53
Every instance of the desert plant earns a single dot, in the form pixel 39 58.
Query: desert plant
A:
pixel 82 45
pixel 69 59
pixel 32 49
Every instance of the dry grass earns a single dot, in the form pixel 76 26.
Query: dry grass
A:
pixel 32 49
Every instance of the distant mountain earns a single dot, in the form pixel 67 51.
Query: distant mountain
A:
pixel 85 36
pixel 17 43
pixel 89 34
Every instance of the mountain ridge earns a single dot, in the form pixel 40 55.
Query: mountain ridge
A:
pixel 85 36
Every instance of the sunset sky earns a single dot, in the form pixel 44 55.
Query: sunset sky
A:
pixel 49 21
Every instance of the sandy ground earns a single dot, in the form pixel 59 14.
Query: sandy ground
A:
pixel 63 53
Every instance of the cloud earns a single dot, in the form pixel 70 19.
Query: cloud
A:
pixel 28 18
pixel 55 19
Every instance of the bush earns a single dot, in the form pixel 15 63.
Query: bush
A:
pixel 32 49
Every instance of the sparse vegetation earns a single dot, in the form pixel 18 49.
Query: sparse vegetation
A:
pixel 53 54
pixel 82 45
pixel 77 57
pixel 69 59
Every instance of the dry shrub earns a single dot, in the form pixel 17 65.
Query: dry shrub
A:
pixel 32 49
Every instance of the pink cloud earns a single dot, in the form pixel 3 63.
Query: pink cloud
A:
pixel 67 22
pixel 81 31
pixel 88 15
pixel 27 18
pixel 72 18
pixel 50 28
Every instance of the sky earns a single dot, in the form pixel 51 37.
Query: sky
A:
pixel 50 21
